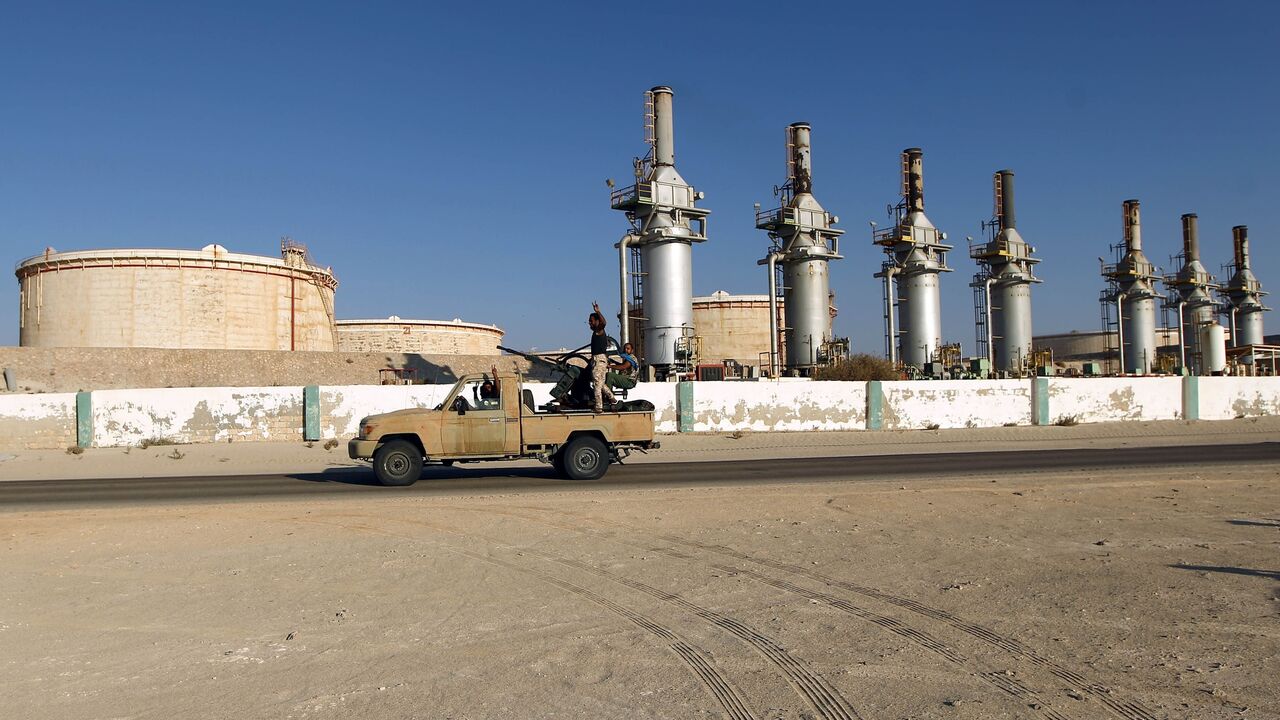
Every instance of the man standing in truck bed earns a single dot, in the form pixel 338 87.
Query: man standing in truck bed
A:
pixel 599 357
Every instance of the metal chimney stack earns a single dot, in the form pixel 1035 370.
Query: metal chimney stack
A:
pixel 1133 293
pixel 656 256
pixel 1244 294
pixel 916 256
pixel 1191 297
pixel 803 242
pixel 1002 287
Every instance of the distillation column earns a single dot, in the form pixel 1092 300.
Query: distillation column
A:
pixel 1245 294
pixel 917 256
pixel 1192 297
pixel 665 223
pixel 1133 290
pixel 1007 277
pixel 803 243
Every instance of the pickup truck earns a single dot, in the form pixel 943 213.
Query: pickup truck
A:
pixel 469 427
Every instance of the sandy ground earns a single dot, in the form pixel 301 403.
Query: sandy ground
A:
pixel 1138 595
pixel 285 458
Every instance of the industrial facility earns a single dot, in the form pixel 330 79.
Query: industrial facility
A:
pixel 916 257
pixel 426 337
pixel 216 299
pixel 656 255
pixel 207 299
pixel 802 245
pixel 1002 288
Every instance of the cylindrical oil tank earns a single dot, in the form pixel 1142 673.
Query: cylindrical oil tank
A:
pixel 920 316
pixel 1011 326
pixel 1197 317
pixel 734 327
pixel 808 311
pixel 427 337
pixel 208 299
pixel 1139 334
pixel 1213 349
pixel 1249 325
pixel 667 304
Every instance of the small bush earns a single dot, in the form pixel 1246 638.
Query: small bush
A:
pixel 153 442
pixel 175 455
pixel 1067 421
pixel 331 443
pixel 932 426
pixel 75 450
pixel 858 368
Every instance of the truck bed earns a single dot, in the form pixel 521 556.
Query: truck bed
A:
pixel 542 429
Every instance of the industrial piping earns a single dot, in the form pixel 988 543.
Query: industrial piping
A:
pixel 804 242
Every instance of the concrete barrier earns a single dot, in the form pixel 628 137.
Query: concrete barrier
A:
pixel 112 418
pixel 918 404
pixel 196 415
pixel 29 422
pixel 1224 398
pixel 1092 400
pixel 779 405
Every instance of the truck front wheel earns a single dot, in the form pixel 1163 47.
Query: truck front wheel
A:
pixel 397 463
pixel 584 458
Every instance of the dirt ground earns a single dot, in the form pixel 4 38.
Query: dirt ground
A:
pixel 1133 595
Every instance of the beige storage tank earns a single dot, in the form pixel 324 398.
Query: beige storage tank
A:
pixel 158 298
pixel 733 327
pixel 426 337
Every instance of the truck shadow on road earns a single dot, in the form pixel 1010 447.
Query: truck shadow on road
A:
pixel 431 474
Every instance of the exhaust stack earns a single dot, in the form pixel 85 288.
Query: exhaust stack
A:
pixel 803 242
pixel 1244 294
pixel 657 252
pixel 1132 290
pixel 1191 296
pixel 1002 287
pixel 916 256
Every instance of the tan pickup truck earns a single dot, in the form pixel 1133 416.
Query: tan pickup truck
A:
pixel 498 424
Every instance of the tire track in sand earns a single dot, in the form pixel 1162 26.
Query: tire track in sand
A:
pixel 724 692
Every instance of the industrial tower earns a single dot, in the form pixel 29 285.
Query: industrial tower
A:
pixel 1244 293
pixel 1131 292
pixel 1002 286
pixel 917 255
pixel 1191 296
pixel 803 243
pixel 656 256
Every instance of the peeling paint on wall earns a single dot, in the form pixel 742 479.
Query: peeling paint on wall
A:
pixel 186 415
pixel 1224 398
pixel 779 405
pixel 1091 400
pixel 919 404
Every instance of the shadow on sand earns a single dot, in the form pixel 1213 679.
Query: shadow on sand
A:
pixel 432 474
pixel 1269 574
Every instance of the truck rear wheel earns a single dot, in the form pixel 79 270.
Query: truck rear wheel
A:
pixel 397 463
pixel 584 458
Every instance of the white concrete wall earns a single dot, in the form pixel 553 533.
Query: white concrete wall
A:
pixel 1092 400
pixel 129 417
pixel 37 421
pixel 342 407
pixel 1224 398
pixel 779 405
pixel 916 404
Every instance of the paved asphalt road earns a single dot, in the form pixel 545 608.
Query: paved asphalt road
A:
pixel 495 477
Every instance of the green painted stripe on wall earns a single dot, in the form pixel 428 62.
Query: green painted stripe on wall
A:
pixel 1190 397
pixel 311 412
pixel 875 405
pixel 84 419
pixel 684 406
pixel 1040 401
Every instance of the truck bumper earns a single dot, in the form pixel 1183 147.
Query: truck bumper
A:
pixel 358 449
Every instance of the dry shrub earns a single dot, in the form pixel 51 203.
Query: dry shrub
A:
pixel 858 368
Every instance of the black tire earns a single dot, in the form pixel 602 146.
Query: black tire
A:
pixel 585 458
pixel 397 463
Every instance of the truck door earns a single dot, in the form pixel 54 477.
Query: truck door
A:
pixel 475 422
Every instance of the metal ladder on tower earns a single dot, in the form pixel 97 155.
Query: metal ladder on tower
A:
pixel 650 123
pixel 979 285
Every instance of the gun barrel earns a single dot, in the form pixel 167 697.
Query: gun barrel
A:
pixel 526 356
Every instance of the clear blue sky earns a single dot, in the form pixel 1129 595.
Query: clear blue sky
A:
pixel 412 144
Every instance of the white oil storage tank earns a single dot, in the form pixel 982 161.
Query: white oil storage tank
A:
pixel 1213 349
pixel 192 299
pixel 426 337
